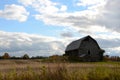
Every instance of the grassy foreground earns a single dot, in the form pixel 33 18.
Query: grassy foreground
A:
pixel 35 70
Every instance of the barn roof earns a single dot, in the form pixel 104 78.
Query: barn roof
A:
pixel 76 44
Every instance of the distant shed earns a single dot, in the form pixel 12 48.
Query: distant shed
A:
pixel 84 49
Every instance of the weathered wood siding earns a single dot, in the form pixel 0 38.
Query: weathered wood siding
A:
pixel 90 48
pixel 86 49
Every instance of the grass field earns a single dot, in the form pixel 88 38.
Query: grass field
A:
pixel 37 70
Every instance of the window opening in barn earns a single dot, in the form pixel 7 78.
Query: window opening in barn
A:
pixel 88 52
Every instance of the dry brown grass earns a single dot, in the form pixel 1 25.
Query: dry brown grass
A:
pixel 37 70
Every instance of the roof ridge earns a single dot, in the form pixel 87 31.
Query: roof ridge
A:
pixel 76 43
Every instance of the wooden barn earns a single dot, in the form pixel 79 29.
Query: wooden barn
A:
pixel 84 49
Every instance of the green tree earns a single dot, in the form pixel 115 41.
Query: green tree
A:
pixel 6 56
pixel 25 56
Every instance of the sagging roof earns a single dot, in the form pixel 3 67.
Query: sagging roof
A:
pixel 76 44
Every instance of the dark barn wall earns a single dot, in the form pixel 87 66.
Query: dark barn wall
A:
pixel 91 49
pixel 85 49
pixel 72 55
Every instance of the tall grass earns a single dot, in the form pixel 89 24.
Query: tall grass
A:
pixel 62 71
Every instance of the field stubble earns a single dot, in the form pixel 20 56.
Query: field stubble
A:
pixel 37 70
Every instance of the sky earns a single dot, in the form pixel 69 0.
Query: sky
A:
pixel 46 27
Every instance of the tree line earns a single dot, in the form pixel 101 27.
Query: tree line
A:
pixel 111 58
pixel 25 56
pixel 54 57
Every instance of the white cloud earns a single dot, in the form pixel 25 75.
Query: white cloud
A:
pixel 117 49
pixel 109 16
pixel 114 51
pixel 63 8
pixel 45 6
pixel 14 12
pixel 66 34
pixel 89 2
pixel 27 2
pixel 20 43
pixel 101 19
pixel 100 14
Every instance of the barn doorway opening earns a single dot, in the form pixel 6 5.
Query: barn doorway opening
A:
pixel 88 52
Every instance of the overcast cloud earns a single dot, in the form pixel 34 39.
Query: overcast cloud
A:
pixel 100 19
pixel 103 13
pixel 29 43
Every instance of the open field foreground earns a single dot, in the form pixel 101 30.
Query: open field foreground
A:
pixel 36 70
